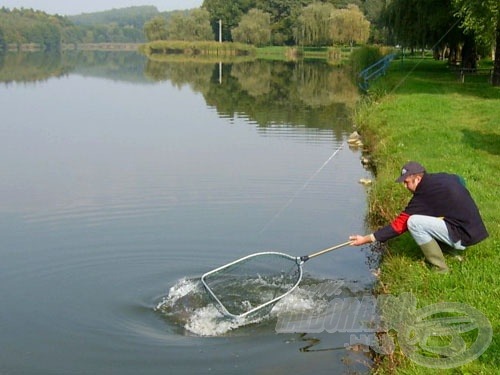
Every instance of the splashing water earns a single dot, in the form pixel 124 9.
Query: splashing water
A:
pixel 208 321
pixel 188 305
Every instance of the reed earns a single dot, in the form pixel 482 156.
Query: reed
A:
pixel 197 48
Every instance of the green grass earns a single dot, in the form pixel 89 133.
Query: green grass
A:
pixel 421 111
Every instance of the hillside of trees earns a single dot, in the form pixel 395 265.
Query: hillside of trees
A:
pixel 134 16
pixel 28 26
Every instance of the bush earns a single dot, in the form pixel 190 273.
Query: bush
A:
pixel 365 56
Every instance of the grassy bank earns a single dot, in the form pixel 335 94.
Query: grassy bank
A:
pixel 422 111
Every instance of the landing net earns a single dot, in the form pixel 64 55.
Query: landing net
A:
pixel 253 284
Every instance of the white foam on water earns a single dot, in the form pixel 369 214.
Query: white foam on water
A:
pixel 208 321
pixel 182 288
pixel 204 319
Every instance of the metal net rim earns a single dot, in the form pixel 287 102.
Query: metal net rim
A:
pixel 297 260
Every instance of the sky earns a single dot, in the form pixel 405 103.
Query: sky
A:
pixel 72 7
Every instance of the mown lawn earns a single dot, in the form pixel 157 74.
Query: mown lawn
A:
pixel 422 111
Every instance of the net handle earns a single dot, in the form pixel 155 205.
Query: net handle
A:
pixel 305 258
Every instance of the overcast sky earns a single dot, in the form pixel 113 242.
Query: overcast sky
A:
pixel 71 7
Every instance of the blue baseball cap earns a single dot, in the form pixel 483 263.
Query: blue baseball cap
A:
pixel 412 167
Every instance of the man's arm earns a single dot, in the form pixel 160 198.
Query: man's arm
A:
pixel 397 227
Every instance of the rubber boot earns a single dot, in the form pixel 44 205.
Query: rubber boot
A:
pixel 434 255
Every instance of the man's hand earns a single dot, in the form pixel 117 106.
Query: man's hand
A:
pixel 357 240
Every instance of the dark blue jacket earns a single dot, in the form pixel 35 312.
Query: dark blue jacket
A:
pixel 441 195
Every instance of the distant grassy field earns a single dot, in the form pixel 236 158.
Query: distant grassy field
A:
pixel 422 111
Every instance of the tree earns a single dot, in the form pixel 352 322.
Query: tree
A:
pixel 254 28
pixel 29 26
pixel 350 26
pixel 202 29
pixel 403 19
pixel 229 12
pixel 425 24
pixel 483 19
pixel 156 29
pixel 49 36
pixel 314 25
pixel 373 10
pixel 284 14
pixel 193 26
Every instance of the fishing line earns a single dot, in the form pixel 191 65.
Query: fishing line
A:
pixel 299 191
pixel 306 184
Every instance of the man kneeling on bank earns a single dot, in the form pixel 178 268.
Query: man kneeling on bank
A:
pixel 440 211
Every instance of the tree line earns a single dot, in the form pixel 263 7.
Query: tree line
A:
pixel 25 26
pixel 291 21
pixel 318 24
pixel 29 26
pixel 459 30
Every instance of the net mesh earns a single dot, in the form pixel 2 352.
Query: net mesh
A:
pixel 253 283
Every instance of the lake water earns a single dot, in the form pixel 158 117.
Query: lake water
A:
pixel 125 180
